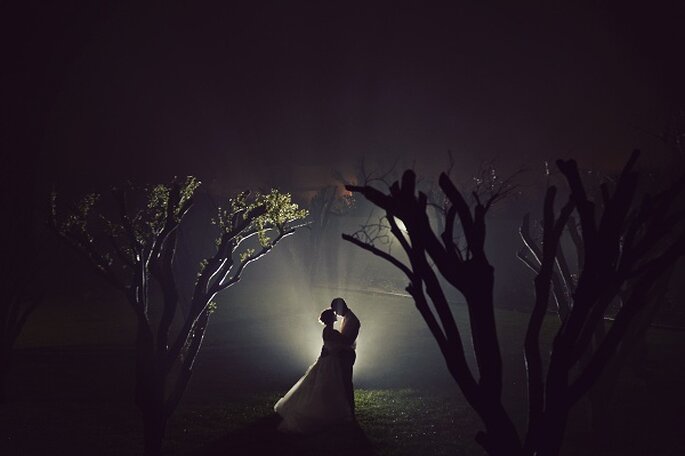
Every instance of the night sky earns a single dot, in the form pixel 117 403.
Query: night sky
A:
pixel 282 93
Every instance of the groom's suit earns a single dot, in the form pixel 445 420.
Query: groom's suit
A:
pixel 349 328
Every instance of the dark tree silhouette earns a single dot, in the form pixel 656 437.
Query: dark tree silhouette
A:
pixel 628 243
pixel 21 287
pixel 632 350
pixel 140 249
pixel 564 281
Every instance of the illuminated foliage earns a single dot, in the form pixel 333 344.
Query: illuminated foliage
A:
pixel 139 248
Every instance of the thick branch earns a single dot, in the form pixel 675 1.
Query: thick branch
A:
pixel 380 253
pixel 552 231
pixel 162 270
pixel 186 369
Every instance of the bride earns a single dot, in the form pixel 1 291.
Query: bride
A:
pixel 318 399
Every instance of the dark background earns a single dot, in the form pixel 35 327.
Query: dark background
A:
pixel 281 92
pixel 261 94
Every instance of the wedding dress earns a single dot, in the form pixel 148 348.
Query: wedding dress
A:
pixel 318 399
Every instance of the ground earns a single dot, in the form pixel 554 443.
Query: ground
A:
pixel 72 397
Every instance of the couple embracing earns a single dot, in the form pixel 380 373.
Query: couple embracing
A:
pixel 324 395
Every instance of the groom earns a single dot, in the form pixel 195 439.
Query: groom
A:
pixel 349 328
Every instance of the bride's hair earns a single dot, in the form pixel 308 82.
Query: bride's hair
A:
pixel 327 316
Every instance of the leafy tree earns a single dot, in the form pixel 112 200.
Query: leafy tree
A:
pixel 624 243
pixel 139 250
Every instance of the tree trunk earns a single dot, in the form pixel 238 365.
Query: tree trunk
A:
pixel 150 402
pixel 4 370
pixel 5 366
pixel 600 398
pixel 150 386
pixel 154 428
pixel 552 435
pixel 501 438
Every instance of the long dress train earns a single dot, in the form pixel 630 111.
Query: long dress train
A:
pixel 317 400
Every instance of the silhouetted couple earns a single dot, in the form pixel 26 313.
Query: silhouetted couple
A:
pixel 324 396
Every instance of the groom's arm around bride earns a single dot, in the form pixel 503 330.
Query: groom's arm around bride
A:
pixel 350 330
pixel 350 325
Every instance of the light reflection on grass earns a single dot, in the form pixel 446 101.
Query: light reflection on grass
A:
pixel 391 422
pixel 410 422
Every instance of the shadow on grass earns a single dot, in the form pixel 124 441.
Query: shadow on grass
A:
pixel 262 437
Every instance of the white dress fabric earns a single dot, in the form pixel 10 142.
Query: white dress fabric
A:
pixel 318 399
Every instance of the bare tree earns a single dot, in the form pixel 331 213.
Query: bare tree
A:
pixel 324 205
pixel 564 281
pixel 139 251
pixel 629 243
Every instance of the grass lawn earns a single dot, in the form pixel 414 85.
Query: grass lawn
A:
pixel 390 422
pixel 70 397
